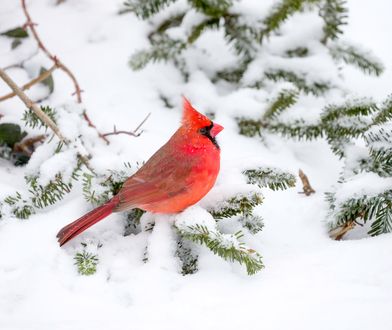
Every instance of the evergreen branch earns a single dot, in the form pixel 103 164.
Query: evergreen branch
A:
pixel 189 260
pixel 250 127
pixel 86 263
pixel 334 14
pixel 354 108
pixel 376 209
pixel 212 8
pixel 385 112
pixel 297 52
pixel 43 196
pixel 315 88
pixel 382 213
pixel 253 223
pixel 285 99
pixel 272 178
pixel 31 119
pixel 279 14
pixel 241 36
pixel 226 246
pixel 146 8
pixel 297 129
pixel 19 206
pixel 239 204
pixel 233 75
pixel 212 23
pixel 362 60
pixel 163 48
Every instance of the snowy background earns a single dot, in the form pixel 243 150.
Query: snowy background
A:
pixel 310 281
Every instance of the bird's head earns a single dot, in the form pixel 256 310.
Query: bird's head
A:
pixel 199 123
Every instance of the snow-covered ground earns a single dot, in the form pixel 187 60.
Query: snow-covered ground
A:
pixel 310 281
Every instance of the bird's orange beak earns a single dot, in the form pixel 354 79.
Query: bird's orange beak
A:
pixel 216 129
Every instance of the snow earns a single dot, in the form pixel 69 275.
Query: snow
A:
pixel 310 281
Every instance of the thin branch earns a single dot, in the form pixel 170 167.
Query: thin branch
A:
pixel 40 114
pixel 36 80
pixel 338 233
pixel 31 105
pixel 307 188
pixel 90 123
pixel 29 23
pixel 133 133
pixel 78 91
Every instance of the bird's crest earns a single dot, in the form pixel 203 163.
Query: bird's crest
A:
pixel 191 117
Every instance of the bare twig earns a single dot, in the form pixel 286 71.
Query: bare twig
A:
pixel 40 114
pixel 36 80
pixel 31 105
pixel 133 133
pixel 29 24
pixel 307 188
pixel 78 91
pixel 338 233
pixel 90 123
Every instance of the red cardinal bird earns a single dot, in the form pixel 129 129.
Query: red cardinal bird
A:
pixel 178 175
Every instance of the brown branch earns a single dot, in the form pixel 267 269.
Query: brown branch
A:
pixel 34 81
pixel 90 123
pixel 338 233
pixel 133 133
pixel 40 114
pixel 31 105
pixel 29 24
pixel 307 188
pixel 78 91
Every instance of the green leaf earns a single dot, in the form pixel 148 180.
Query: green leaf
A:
pixel 48 82
pixel 11 134
pixel 18 32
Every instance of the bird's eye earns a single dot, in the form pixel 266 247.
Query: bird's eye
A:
pixel 203 130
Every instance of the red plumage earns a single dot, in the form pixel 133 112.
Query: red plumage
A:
pixel 178 175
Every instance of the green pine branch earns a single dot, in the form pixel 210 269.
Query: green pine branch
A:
pixel 297 129
pixel 376 209
pixel 285 99
pixel 353 108
pixel 54 191
pixel 146 8
pixel 253 223
pixel 279 14
pixel 86 263
pixel 315 88
pixel 335 14
pixel 32 120
pixel 360 59
pixel 384 113
pixel 272 178
pixel 163 48
pixel 212 8
pixel 226 246
pixel 20 207
pixel 189 260
pixel 240 204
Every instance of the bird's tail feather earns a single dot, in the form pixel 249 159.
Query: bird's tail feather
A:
pixel 86 221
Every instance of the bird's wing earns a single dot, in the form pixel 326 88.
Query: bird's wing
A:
pixel 162 177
